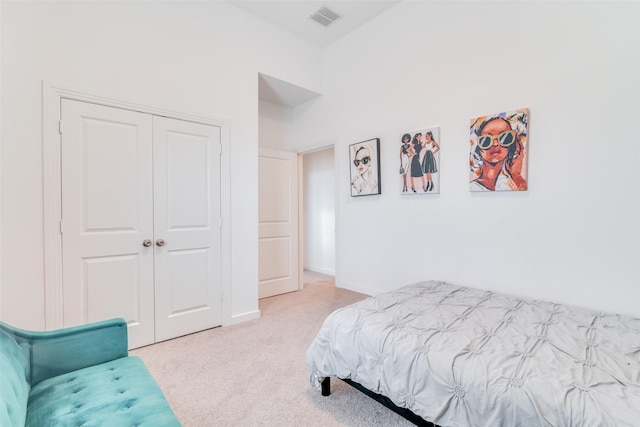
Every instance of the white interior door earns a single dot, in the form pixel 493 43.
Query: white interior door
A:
pixel 187 227
pixel 107 214
pixel 278 270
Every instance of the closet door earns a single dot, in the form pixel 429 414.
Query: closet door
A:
pixel 107 215
pixel 187 227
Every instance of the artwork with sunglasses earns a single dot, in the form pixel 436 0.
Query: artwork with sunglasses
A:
pixel 499 151
pixel 364 163
pixel 420 161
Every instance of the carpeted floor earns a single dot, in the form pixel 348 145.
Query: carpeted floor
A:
pixel 254 374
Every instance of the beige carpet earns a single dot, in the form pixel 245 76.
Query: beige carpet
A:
pixel 254 374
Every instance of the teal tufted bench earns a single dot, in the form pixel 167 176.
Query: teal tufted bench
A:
pixel 78 376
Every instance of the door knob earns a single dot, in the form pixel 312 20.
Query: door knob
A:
pixel 146 243
pixel 160 242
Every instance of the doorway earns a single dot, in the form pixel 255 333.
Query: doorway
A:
pixel 318 211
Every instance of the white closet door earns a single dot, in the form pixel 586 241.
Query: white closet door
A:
pixel 106 216
pixel 278 223
pixel 187 227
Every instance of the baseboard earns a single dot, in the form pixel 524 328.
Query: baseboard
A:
pixel 320 270
pixel 244 317
pixel 357 288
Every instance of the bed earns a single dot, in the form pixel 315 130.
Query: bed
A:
pixel 458 356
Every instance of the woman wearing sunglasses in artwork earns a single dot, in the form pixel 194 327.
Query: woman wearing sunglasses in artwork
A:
pixel 364 182
pixel 497 159
pixel 416 166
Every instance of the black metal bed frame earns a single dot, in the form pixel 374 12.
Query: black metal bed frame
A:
pixel 403 412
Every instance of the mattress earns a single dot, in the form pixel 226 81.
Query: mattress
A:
pixel 459 356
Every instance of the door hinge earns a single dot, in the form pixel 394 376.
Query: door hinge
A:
pixel 60 127
pixel 61 228
pixel 220 222
pixel 220 149
pixel 221 296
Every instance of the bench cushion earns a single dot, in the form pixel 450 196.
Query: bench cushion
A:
pixel 14 381
pixel 117 393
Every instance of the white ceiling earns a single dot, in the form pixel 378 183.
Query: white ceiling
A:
pixel 294 16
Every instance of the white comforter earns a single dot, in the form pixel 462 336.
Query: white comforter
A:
pixel 458 356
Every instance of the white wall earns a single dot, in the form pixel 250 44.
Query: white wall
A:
pixel 319 211
pixel 193 57
pixel 574 237
pixel 274 126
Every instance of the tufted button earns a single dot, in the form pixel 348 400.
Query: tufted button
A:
pixel 423 349
pixel 397 323
pixel 475 350
pixel 516 382
pixel 582 387
pixel 458 391
pixel 524 354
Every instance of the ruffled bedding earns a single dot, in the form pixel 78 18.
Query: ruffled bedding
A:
pixel 459 356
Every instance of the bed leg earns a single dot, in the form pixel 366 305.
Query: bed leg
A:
pixel 326 386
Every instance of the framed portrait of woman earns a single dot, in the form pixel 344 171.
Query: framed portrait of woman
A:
pixel 499 151
pixel 420 161
pixel 364 161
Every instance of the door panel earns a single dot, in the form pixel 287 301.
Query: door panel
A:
pixel 106 283
pixel 107 212
pixel 187 218
pixel 278 270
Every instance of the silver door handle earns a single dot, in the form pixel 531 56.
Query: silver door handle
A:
pixel 146 243
pixel 160 242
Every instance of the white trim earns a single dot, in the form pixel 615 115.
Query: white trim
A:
pixel 239 318
pixel 366 290
pixel 300 221
pixel 52 94
pixel 317 147
pixel 320 270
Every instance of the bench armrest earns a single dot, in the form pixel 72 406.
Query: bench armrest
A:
pixel 65 350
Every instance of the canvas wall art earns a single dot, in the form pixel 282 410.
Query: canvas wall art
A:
pixel 364 160
pixel 420 161
pixel 499 148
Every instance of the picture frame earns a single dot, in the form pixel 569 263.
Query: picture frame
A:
pixel 499 151
pixel 420 161
pixel 364 164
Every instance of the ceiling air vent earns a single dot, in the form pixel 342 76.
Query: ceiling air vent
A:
pixel 325 17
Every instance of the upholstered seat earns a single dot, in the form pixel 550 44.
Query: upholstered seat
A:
pixel 79 376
